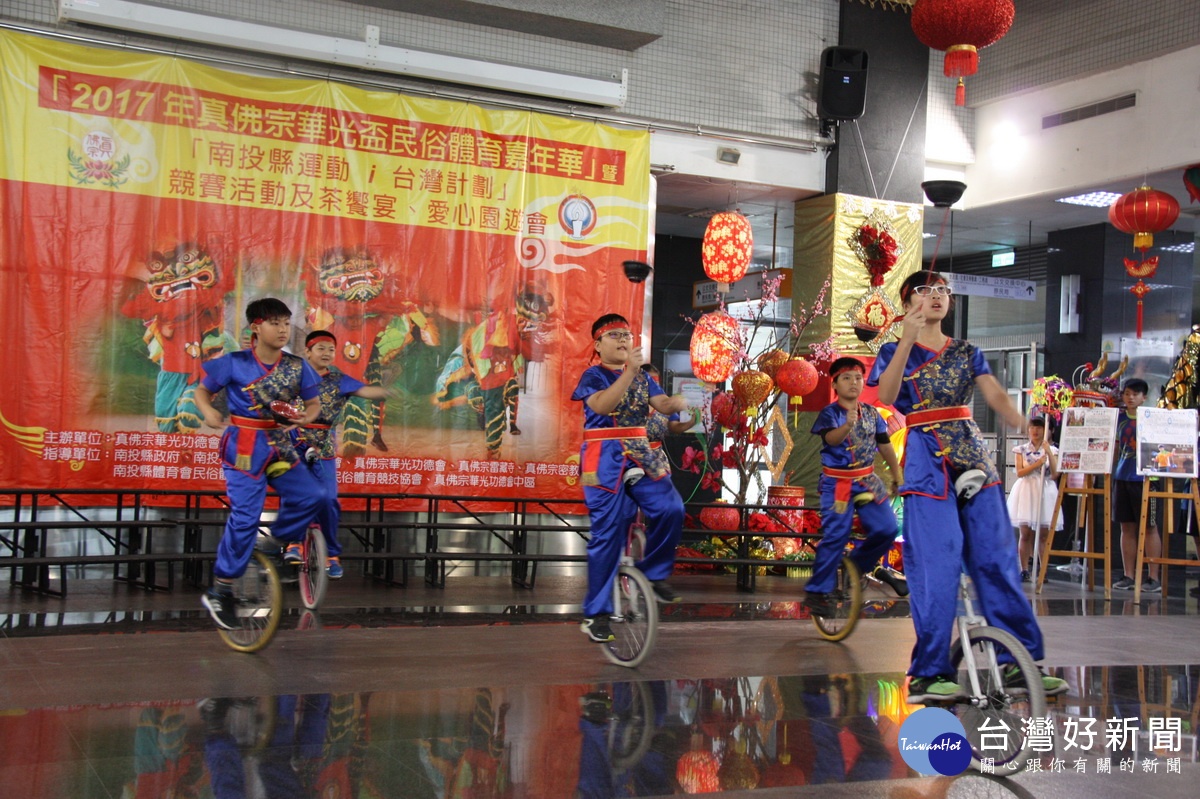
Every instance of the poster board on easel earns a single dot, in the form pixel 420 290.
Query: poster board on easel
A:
pixel 1166 448
pixel 1087 442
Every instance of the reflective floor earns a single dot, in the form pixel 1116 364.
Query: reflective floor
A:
pixel 482 689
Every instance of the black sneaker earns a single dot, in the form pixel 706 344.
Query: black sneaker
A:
pixel 1124 584
pixel 933 689
pixel 1026 577
pixel 820 604
pixel 596 707
pixel 1151 586
pixel 596 629
pixel 221 607
pixel 665 593
pixel 893 579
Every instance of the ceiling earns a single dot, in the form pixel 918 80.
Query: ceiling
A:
pixel 685 202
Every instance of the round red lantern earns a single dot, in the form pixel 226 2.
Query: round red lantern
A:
pixel 727 248
pixel 771 360
pixel 721 518
pixel 751 388
pixel 725 410
pixel 797 377
pixel 960 28
pixel 696 771
pixel 714 346
pixel 1143 212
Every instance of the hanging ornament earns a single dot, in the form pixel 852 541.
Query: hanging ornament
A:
pixel 714 347
pixel 1143 212
pixel 737 771
pixel 961 28
pixel 696 771
pixel 725 410
pixel 874 243
pixel 727 248
pixel 771 360
pixel 751 388
pixel 797 378
pixel 1191 181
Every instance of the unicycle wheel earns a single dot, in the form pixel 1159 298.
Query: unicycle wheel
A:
pixel 313 577
pixel 1010 691
pixel 634 618
pixel 847 600
pixel 259 599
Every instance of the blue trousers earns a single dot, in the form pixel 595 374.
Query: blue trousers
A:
pixel 880 524
pixel 330 515
pixel 940 540
pixel 301 497
pixel 611 514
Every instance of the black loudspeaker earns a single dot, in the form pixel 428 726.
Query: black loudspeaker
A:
pixel 843 87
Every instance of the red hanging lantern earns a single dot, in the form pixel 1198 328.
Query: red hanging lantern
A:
pixel 797 378
pixel 751 388
pixel 1143 212
pixel 714 347
pixel 696 771
pixel 961 28
pixel 721 518
pixel 727 248
pixel 771 360
pixel 725 410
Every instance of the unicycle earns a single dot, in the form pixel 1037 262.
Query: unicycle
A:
pixel 258 596
pixel 314 553
pixel 635 609
pixel 847 603
pixel 1003 687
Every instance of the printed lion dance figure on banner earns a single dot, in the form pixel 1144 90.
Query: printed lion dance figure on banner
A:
pixel 485 372
pixel 180 299
pixel 350 300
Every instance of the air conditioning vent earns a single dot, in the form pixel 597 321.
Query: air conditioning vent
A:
pixel 1089 111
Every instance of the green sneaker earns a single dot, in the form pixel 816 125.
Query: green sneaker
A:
pixel 932 689
pixel 1014 681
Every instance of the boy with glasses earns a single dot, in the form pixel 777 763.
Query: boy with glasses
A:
pixel 621 472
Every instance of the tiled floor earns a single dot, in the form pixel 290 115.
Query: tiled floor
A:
pixel 482 689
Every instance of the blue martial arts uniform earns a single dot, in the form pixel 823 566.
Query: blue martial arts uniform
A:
pixel 335 391
pixel 252 442
pixel 855 453
pixel 942 535
pixel 613 443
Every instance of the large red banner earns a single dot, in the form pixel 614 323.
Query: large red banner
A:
pixel 459 254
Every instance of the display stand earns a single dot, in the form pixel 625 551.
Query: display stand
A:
pixel 1085 518
pixel 1149 492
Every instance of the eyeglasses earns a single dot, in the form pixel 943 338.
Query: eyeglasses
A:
pixel 617 336
pixel 929 291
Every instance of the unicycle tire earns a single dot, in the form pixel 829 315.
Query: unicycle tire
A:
pixel 634 618
pixel 631 725
pixel 259 600
pixel 313 577
pixel 998 706
pixel 847 599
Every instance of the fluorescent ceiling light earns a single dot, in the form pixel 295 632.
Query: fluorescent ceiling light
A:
pixel 1094 199
pixel 367 54
pixel 928 235
pixel 1187 246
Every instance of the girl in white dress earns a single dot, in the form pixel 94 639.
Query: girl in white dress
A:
pixel 1037 471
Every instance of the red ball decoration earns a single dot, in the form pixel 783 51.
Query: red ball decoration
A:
pixel 725 410
pixel 797 377
pixel 722 519
pixel 960 28
pixel 714 347
pixel 1143 212
pixel 727 247
pixel 696 772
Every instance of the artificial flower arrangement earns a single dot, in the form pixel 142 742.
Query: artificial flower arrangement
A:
pixel 1050 396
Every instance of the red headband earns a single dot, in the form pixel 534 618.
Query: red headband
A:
pixel 858 367
pixel 611 326
pixel 316 336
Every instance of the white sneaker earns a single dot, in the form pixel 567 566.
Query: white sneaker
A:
pixel 969 482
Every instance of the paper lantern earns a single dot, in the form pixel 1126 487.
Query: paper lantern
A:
pixel 771 360
pixel 725 410
pixel 727 248
pixel 724 519
pixel 1143 212
pixel 797 377
pixel 696 771
pixel 961 28
pixel 751 388
pixel 714 347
